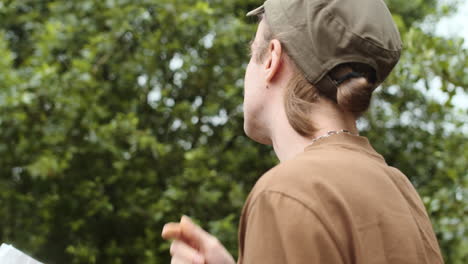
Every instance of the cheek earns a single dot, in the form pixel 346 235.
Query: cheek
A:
pixel 248 81
pixel 248 75
pixel 252 78
pixel 253 92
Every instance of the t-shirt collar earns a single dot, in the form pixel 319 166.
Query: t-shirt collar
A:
pixel 345 140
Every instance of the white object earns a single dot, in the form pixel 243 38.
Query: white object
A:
pixel 11 255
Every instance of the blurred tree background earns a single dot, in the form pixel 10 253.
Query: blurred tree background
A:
pixel 117 116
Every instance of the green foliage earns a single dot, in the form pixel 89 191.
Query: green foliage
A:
pixel 118 116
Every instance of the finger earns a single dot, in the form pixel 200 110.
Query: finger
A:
pixel 181 250
pixel 171 231
pixel 181 260
pixel 195 235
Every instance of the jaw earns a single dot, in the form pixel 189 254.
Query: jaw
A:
pixel 255 131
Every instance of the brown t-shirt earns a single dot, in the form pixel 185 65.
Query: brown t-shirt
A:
pixel 337 202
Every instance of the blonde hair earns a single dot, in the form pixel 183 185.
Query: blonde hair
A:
pixel 353 95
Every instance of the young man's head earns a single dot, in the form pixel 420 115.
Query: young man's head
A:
pixel 317 61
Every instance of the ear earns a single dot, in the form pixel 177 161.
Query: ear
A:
pixel 274 60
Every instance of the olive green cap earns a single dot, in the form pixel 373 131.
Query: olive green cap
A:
pixel 322 34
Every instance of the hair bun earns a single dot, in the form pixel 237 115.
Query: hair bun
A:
pixel 354 95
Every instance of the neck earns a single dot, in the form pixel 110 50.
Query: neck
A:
pixel 287 143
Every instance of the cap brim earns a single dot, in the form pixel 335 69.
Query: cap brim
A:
pixel 257 11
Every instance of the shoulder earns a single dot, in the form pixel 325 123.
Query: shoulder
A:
pixel 295 180
pixel 278 226
pixel 332 173
pixel 308 168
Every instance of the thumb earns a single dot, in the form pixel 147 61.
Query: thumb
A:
pixel 195 234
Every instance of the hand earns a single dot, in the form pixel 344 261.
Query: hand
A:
pixel 194 245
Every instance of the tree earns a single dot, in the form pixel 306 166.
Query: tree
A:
pixel 117 116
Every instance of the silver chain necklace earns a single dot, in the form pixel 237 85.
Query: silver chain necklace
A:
pixel 331 133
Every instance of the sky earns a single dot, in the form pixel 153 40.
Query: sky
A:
pixel 455 24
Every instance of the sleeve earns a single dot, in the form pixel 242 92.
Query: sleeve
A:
pixel 281 229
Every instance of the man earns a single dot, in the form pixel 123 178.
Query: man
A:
pixel 332 198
